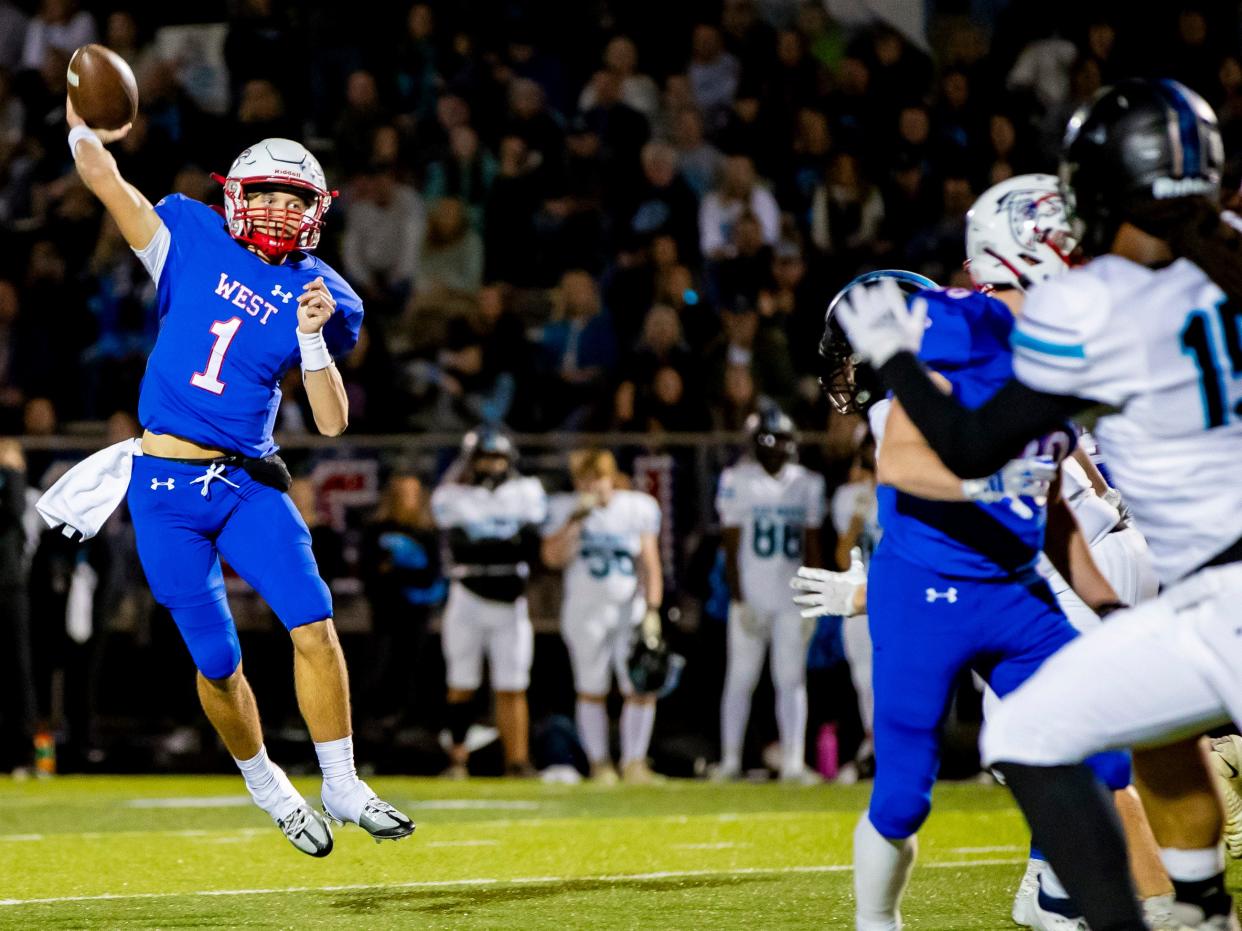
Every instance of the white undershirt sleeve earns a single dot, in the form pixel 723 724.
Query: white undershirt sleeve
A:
pixel 155 254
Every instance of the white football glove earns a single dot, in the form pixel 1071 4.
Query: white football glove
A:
pixel 1030 477
pixel 878 322
pixel 744 615
pixel 1113 497
pixel 830 592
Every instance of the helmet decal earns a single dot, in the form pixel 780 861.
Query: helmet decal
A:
pixel 1018 233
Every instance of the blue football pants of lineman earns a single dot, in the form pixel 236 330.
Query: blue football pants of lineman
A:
pixel 182 533
pixel 926 629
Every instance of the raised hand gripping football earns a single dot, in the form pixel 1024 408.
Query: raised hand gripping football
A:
pixel 315 306
pixel 106 136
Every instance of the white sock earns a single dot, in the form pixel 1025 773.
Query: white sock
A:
pixel 637 722
pixel 734 712
pixel 1191 866
pixel 1050 882
pixel 268 785
pixel 791 725
pixel 881 871
pixel 592 718
pixel 336 761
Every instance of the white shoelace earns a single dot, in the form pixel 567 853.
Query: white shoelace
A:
pixel 214 471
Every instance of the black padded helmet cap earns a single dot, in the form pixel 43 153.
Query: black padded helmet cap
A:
pixel 1138 143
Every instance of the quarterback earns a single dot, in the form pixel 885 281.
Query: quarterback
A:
pixel 241 300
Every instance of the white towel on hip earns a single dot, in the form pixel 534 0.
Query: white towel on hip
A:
pixel 87 494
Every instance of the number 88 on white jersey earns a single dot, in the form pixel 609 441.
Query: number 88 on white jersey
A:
pixel 772 512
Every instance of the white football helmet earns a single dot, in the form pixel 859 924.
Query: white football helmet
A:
pixel 1017 233
pixel 276 163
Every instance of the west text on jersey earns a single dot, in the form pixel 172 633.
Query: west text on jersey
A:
pixel 244 298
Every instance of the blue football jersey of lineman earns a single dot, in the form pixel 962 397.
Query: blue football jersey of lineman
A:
pixel 228 333
pixel 967 341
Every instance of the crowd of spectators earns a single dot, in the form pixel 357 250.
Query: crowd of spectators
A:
pixel 562 216
pixel 615 215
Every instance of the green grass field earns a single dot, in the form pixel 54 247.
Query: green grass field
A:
pixel 190 852
pixel 181 852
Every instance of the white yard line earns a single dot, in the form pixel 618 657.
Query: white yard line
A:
pixel 723 845
pixel 472 825
pixel 515 881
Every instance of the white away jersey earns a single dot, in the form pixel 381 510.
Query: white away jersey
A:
pixel 1162 348
pixel 605 567
pixel 1095 516
pixel 490 513
pixel 771 512
pixel 857 498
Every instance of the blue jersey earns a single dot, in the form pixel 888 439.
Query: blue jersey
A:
pixel 228 333
pixel 967 341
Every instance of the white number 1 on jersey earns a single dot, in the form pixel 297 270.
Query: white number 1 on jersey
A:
pixel 209 378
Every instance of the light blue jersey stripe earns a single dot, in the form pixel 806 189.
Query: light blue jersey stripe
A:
pixel 1020 340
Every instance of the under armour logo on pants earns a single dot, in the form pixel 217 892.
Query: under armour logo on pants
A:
pixel 950 596
pixel 155 483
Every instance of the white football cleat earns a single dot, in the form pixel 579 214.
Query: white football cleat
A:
pixel 1189 915
pixel 1226 759
pixel 1028 891
pixel 367 810
pixel 1043 918
pixel 1158 913
pixel 307 830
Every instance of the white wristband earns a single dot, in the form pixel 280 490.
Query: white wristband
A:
pixel 315 355
pixel 77 134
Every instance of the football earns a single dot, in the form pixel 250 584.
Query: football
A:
pixel 102 87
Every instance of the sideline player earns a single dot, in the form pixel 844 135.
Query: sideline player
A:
pixel 771 510
pixel 954 586
pixel 490 516
pixel 606 540
pixel 241 300
pixel 1144 339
